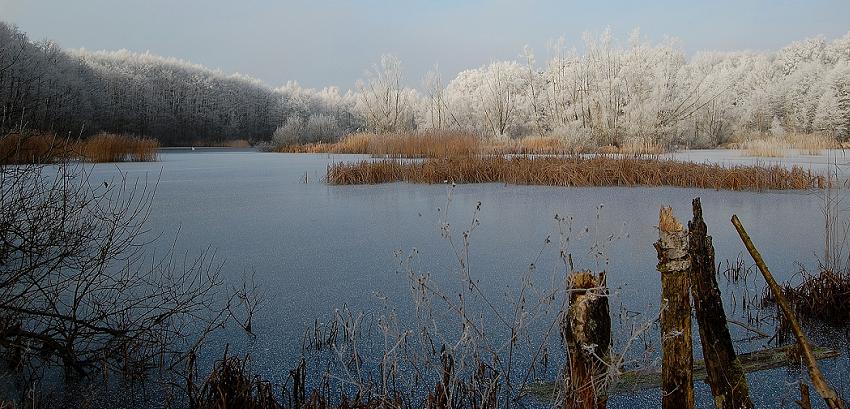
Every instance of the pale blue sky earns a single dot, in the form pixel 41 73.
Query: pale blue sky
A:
pixel 332 42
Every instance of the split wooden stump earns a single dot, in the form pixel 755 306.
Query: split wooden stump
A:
pixel 677 361
pixel 586 330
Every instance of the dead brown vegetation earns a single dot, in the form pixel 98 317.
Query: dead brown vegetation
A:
pixel 419 145
pixel 233 143
pixel 824 297
pixel 456 144
pixel 17 148
pixel 574 171
pixel 779 146
pixel 117 148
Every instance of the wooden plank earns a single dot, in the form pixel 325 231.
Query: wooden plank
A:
pixel 637 380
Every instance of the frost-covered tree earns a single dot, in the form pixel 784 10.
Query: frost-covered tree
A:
pixel 289 133
pixel 437 112
pixel 611 92
pixel 491 99
pixel 385 102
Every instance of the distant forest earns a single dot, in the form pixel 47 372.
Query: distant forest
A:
pixel 606 92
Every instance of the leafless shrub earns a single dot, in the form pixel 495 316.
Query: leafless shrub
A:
pixel 79 293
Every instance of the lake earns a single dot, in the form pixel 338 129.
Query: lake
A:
pixel 315 248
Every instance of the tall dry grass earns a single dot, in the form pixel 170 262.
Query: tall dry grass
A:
pixel 19 148
pixel 117 148
pixel 764 148
pixel 574 171
pixel 416 145
pixel 447 144
pixel 779 146
pixel 532 145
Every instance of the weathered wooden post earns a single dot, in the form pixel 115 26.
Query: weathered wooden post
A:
pixel 586 329
pixel 677 383
pixel 726 376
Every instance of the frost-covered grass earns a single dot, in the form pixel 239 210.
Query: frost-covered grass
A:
pixel 414 145
pixel 779 146
pixel 443 144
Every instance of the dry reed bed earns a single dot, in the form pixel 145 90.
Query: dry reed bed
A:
pixel 28 149
pixel 449 144
pixel 823 297
pixel 117 148
pixel 779 146
pixel 47 148
pixel 574 171
pixel 419 145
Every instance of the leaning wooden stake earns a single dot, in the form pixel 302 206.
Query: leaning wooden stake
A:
pixel 725 374
pixel 818 381
pixel 586 329
pixel 677 383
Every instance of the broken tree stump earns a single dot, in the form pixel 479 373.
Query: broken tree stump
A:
pixel 677 384
pixel 818 381
pixel 726 376
pixel 586 330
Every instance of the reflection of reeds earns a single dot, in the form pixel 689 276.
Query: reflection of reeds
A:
pixel 574 171
pixel 46 148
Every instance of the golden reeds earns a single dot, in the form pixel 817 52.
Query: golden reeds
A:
pixel 443 144
pixel 417 145
pixel 779 146
pixel 16 148
pixel 117 148
pixel 574 171
pixel 765 148
pixel 532 145
pixel 47 148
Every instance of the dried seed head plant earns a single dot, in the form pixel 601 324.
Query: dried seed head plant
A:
pixel 462 345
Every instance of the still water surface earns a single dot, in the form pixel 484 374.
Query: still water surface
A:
pixel 315 248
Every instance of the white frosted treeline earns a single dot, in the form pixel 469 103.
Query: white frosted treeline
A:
pixel 607 93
